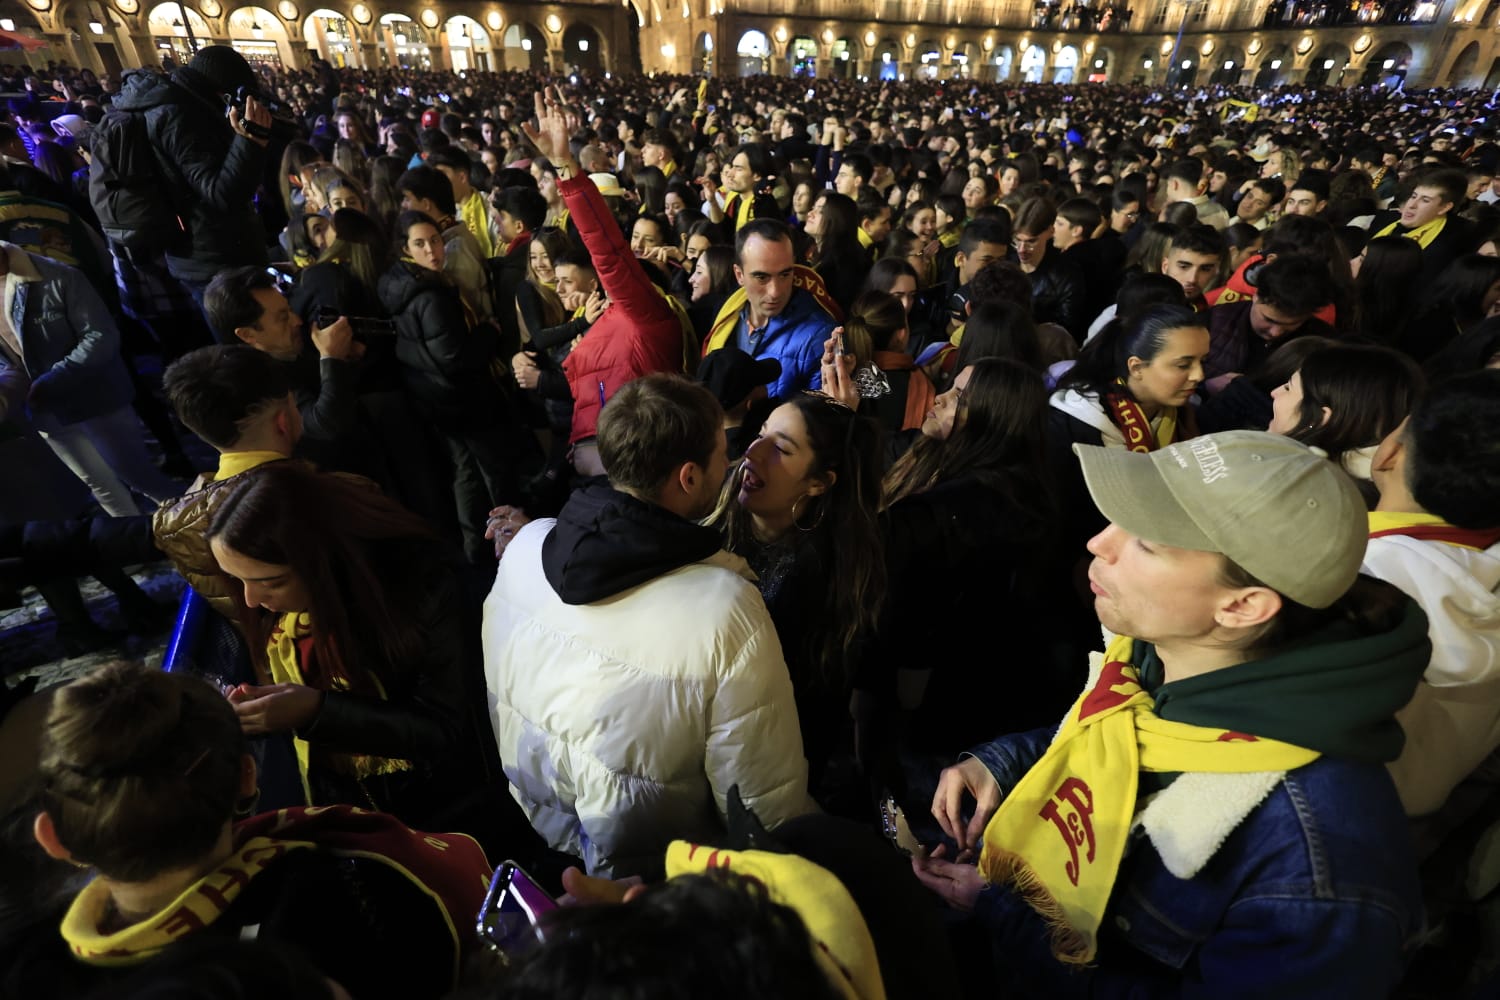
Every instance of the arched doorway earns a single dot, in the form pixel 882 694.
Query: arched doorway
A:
pixel 843 58
pixel 889 58
pixel 1102 67
pixel 802 56
pixel 405 42
pixel 583 49
pixel 1005 59
pixel 1185 73
pixel 260 37
pixel 1231 62
pixel 1328 66
pixel 1462 73
pixel 466 43
pixel 169 33
pixel 753 52
pixel 1065 68
pixel 929 59
pixel 1388 65
pixel 703 53
pixel 1033 64
pixel 525 46
pixel 329 36
pixel 966 59
pixel 1272 68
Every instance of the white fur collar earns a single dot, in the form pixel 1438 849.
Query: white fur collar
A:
pixel 1189 820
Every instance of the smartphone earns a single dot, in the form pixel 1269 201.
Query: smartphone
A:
pixel 895 828
pixel 510 918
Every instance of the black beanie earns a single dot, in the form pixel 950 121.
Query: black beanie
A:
pixel 225 68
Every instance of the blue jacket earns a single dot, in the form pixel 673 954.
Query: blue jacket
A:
pixel 1314 894
pixel 795 338
pixel 68 336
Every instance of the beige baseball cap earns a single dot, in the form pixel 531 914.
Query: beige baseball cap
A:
pixel 1277 508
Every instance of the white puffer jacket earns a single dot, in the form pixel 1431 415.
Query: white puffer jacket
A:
pixel 623 723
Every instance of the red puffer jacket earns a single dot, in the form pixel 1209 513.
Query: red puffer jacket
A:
pixel 638 333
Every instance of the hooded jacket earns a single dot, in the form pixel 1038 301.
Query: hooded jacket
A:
pixel 634 676
pixel 211 170
pixel 1287 884
pixel 1452 722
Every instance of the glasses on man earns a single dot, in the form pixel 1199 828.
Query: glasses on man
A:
pixel 1031 243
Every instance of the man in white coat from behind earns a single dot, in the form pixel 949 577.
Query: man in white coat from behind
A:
pixel 634 673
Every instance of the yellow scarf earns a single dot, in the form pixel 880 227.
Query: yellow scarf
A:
pixel 232 463
pixel 949 238
pixel 803 277
pixel 286 668
pixel 476 216
pixel 863 237
pixel 1423 234
pixel 1060 834
pixel 1431 528
pixel 844 948
pixel 199 905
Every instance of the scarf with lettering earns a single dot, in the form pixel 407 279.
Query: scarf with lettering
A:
pixel 1059 836
pixel 1431 528
pixel 289 654
pixel 1423 234
pixel 1173 424
pixel 450 868
pixel 805 278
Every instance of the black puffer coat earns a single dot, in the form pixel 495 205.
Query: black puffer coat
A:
pixel 445 366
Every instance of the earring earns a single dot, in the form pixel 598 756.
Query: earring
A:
pixel 822 511
pixel 245 807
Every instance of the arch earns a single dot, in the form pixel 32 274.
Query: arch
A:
pixel 754 53
pixel 525 46
pixel 1228 63
pixel 928 60
pixel 966 59
pixel 1033 64
pixel 703 52
pixel 842 53
pixel 888 59
pixel 1327 67
pixel 1461 73
pixel 1102 65
pixel 1273 66
pixel 1388 65
pixel 466 44
pixel 802 56
pixel 1005 62
pixel 583 49
pixel 261 37
pixel 1065 67
pixel 169 34
pixel 331 35
pixel 1185 73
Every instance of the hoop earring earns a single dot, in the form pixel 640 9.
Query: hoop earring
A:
pixel 245 807
pixel 822 512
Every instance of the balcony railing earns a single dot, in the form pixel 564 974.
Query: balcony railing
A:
pixel 1109 17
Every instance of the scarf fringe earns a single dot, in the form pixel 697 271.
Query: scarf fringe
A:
pixel 1069 945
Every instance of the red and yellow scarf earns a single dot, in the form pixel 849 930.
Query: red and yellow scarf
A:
pixel 721 334
pixel 1174 424
pixel 450 868
pixel 1060 834
pixel 1432 528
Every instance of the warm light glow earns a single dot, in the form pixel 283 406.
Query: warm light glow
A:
pixel 1275 63
pixel 1229 64
pixel 494 20
pixel 1328 64
pixel 525 45
pixel 429 17
pixel 911 39
pixel 361 13
pixel 554 23
pixel 988 43
pixel 1388 64
pixel 1208 47
pixel 827 36
pixel 668 50
pixel 781 33
pixel 1166 46
pixel 1148 64
pixel 870 38
pixel 6 24
pixel 1187 64
pixel 1253 47
pixel 96 27
pixel 583 45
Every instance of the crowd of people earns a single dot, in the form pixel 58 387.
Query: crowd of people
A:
pixel 930 538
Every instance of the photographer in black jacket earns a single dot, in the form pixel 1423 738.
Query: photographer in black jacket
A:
pixel 211 162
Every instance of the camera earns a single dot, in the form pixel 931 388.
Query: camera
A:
pixel 365 328
pixel 283 126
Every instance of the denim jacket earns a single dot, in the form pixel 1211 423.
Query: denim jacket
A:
pixel 1314 892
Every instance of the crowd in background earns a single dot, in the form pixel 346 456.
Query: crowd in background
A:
pixel 643 478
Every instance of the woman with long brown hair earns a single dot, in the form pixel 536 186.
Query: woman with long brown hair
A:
pixel 356 626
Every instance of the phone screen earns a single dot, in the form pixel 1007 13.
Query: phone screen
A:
pixel 511 911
